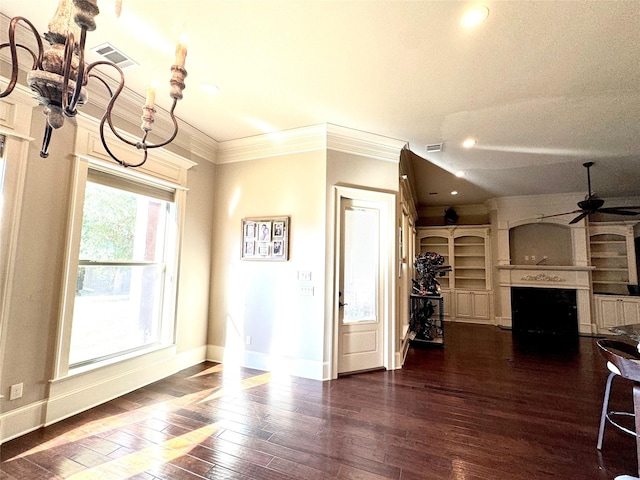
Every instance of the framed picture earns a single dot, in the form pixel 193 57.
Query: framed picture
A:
pixel 265 238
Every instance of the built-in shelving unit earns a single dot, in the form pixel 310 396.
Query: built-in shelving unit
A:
pixel 612 254
pixel 440 245
pixel 467 288
pixel 470 262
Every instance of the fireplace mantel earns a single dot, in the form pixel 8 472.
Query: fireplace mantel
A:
pixel 544 267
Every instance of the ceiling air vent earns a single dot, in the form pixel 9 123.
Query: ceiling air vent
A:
pixel 434 147
pixel 113 55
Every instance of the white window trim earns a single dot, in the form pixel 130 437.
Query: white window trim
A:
pixel 163 168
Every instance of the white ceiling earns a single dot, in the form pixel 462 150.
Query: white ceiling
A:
pixel 542 85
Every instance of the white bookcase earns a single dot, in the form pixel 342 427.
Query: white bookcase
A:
pixel 467 288
pixel 612 253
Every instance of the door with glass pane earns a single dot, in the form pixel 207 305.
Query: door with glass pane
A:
pixel 361 329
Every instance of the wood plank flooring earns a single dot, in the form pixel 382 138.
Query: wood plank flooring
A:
pixel 483 407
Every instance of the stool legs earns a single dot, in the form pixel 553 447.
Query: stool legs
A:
pixel 605 407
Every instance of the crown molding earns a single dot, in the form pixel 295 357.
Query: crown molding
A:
pixel 286 142
pixel 311 138
pixel 357 142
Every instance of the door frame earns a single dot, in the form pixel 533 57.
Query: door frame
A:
pixel 387 202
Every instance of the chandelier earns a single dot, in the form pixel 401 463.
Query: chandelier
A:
pixel 59 75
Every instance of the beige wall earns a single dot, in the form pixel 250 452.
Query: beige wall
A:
pixel 30 327
pixel 261 299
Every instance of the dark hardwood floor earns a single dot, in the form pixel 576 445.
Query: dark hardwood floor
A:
pixel 482 407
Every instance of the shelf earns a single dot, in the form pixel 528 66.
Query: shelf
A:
pixel 610 283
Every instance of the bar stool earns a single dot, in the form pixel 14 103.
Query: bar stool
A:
pixel 625 360
pixel 619 356
pixel 612 350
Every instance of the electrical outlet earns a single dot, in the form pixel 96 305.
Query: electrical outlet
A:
pixel 247 340
pixel 307 291
pixel 16 391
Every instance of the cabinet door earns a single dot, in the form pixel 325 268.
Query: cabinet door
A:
pixel 446 299
pixel 464 304
pixel 608 312
pixel 480 302
pixel 630 312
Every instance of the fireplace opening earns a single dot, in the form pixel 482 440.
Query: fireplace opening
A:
pixel 545 313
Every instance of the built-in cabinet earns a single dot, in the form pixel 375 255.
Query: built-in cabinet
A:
pixel 612 252
pixel 466 290
pixel 613 311
pixel 472 304
pixel 613 255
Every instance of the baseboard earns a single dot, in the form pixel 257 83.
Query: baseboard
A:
pixel 72 395
pixel 475 321
pixel 22 420
pixel 297 367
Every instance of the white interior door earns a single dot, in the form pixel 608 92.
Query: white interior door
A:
pixel 360 282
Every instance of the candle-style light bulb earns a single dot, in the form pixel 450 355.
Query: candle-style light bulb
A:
pixel 181 51
pixel 151 94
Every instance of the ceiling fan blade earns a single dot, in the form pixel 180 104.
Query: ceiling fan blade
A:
pixel 611 209
pixel 617 211
pixel 578 218
pixel 559 214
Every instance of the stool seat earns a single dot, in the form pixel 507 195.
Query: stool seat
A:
pixel 624 356
pixel 623 360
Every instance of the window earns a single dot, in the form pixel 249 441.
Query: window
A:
pixel 121 267
pixel 127 248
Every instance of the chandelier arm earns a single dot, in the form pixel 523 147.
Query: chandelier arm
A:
pixel 106 118
pixel 102 80
pixel 13 47
pixel 114 96
pixel 66 73
pixel 70 105
pixel 111 154
pixel 175 129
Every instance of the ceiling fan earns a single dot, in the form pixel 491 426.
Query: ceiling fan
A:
pixel 591 204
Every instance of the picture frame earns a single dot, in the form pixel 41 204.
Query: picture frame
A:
pixel 265 238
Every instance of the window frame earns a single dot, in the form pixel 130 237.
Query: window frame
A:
pixel 80 174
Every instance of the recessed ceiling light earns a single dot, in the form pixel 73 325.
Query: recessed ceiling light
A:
pixel 459 174
pixel 454 193
pixel 474 16
pixel 469 143
pixel 210 88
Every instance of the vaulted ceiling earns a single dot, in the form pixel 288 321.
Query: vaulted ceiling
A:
pixel 542 86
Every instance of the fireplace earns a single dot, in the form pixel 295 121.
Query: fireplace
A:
pixel 544 312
